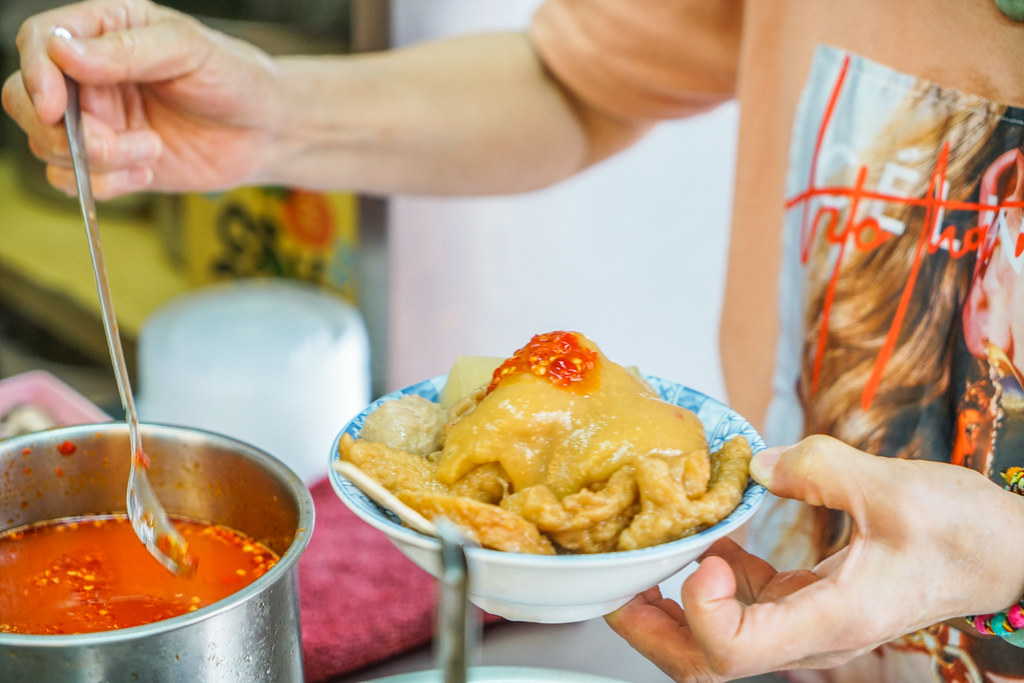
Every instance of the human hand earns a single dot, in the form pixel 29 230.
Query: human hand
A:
pixel 168 104
pixel 922 552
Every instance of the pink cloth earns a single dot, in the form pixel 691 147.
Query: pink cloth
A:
pixel 362 600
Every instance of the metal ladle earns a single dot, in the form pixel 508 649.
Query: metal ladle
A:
pixel 148 518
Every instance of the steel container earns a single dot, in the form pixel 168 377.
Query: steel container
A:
pixel 252 635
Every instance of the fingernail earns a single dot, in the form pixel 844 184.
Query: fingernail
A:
pixel 63 35
pixel 139 179
pixel 762 465
pixel 145 178
pixel 97 147
pixel 129 180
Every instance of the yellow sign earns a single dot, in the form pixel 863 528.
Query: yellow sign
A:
pixel 272 232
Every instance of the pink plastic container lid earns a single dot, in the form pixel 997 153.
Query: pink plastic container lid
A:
pixel 43 390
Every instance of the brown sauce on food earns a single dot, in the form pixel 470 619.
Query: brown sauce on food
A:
pixel 91 574
pixel 563 451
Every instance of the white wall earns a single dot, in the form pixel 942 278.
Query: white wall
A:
pixel 639 246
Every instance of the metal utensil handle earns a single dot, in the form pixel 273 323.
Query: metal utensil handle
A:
pixel 456 627
pixel 144 528
pixel 76 139
pixel 147 516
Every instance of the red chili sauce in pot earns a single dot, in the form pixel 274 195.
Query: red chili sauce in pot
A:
pixel 91 574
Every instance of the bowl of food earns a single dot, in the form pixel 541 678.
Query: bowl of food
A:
pixel 579 482
pixel 80 599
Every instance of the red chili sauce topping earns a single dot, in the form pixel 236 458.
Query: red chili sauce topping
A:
pixel 557 357
pixel 92 574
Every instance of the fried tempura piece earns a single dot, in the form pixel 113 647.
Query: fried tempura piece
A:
pixel 488 484
pixel 488 525
pixel 667 512
pixel 393 469
pixel 589 521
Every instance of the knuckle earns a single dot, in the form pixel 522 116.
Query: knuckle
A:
pixel 125 45
pixel 7 97
pixel 59 180
pixel 818 443
pixel 26 29
pixel 37 149
pixel 816 452
pixel 722 665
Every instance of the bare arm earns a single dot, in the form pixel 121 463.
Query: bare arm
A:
pixel 471 115
pixel 174 106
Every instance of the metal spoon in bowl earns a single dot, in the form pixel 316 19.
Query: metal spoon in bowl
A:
pixel 148 518
pixel 457 625
pixel 457 630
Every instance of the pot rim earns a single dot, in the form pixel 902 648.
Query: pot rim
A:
pixel 284 566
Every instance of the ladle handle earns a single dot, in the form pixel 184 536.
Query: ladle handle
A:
pixel 79 159
pixel 147 516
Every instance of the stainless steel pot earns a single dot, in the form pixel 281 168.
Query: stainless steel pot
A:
pixel 253 635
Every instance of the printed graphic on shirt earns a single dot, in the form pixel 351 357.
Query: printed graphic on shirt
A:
pixel 902 295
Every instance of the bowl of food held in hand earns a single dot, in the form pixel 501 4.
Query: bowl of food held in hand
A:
pixel 81 598
pixel 582 482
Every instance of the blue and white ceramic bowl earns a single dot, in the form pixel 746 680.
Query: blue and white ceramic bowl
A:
pixel 562 588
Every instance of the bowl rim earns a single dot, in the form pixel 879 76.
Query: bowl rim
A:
pixel 387 523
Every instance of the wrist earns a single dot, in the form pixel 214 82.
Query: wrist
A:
pixel 1008 623
pixel 280 116
pixel 311 136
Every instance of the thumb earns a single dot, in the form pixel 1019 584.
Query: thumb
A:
pixel 733 636
pixel 711 590
pixel 823 471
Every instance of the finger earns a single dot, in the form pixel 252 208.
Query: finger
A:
pixel 670 607
pixel 656 628
pixel 106 149
pixel 832 563
pixel 44 77
pixel 751 572
pixel 623 619
pixel 826 472
pixel 104 185
pixel 19 107
pixel 778 634
pixel 158 51
pixel 709 594
pixel 785 583
pixel 724 626
pixel 113 41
